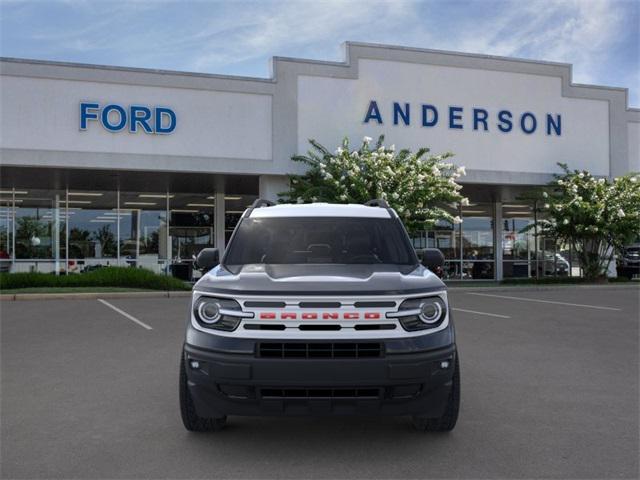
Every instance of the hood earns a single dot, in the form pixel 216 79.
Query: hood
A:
pixel 310 279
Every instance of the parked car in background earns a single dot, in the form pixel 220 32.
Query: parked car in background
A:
pixel 550 265
pixel 628 263
pixel 5 262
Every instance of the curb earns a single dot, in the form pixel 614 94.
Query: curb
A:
pixel 92 296
pixel 535 288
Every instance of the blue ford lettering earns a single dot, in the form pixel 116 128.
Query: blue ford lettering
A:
pixel 474 118
pixel 134 118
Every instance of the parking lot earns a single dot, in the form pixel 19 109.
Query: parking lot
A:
pixel 549 389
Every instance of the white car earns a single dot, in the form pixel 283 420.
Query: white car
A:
pixel 319 309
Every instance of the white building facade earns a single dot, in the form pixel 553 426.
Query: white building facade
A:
pixel 120 166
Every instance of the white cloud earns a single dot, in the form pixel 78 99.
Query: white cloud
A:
pixel 571 31
pixel 237 37
pixel 284 26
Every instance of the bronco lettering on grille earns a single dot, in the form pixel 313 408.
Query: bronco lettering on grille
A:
pixel 323 316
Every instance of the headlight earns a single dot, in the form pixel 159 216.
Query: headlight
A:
pixel 421 313
pixel 218 313
pixel 209 311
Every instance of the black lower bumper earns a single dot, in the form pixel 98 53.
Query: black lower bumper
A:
pixel 394 384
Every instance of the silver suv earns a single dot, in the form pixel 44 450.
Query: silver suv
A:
pixel 320 309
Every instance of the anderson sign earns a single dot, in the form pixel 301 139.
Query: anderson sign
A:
pixel 460 118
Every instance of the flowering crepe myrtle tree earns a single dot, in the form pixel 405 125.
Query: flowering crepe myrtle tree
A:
pixel 597 217
pixel 414 184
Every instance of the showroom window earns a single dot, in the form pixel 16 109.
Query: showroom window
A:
pixel 468 248
pixel 39 223
pixel 79 230
pixel 478 254
pixel 518 241
pixel 143 230
pixel 6 229
pixel 91 230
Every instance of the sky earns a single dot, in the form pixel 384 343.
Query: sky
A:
pixel 601 38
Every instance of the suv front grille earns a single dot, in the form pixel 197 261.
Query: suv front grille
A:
pixel 320 392
pixel 320 350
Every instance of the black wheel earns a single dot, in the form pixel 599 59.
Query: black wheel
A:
pixel 190 418
pixel 448 420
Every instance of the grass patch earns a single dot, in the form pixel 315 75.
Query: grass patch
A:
pixel 120 277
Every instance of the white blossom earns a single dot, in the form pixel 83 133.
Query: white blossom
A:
pixel 461 170
pixel 621 213
pixel 457 220
pixel 367 140
pixel 464 202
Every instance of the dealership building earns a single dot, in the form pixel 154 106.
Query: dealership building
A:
pixel 105 165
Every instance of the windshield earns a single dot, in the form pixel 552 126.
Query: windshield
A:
pixel 320 240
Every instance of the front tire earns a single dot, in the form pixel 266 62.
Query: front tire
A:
pixel 448 420
pixel 190 418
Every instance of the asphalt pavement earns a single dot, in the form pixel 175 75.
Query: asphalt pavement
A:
pixel 89 389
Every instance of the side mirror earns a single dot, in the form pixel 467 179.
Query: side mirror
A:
pixel 207 259
pixel 433 259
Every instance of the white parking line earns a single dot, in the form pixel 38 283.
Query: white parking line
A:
pixel 598 307
pixel 481 313
pixel 125 314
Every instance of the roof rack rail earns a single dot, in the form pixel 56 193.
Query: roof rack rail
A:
pixel 377 202
pixel 261 202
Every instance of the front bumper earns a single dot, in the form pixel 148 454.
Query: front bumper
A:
pixel 408 383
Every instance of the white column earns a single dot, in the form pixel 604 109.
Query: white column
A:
pixel 219 221
pixel 117 226
pixel 56 236
pixel 271 185
pixel 498 240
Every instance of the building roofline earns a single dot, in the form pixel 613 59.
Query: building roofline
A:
pixel 454 52
pixel 118 68
pixel 347 62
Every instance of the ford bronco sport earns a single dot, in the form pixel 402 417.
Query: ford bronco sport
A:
pixel 319 309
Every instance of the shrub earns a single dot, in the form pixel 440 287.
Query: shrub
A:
pixel 416 185
pixel 125 277
pixel 596 216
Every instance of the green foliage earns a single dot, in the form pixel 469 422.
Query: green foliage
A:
pixel 596 216
pixel 414 184
pixel 103 277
